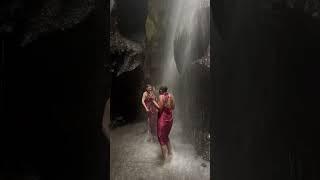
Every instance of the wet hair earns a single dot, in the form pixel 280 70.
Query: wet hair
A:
pixel 148 85
pixel 163 89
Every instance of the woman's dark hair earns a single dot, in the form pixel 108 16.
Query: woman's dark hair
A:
pixel 163 89
pixel 148 85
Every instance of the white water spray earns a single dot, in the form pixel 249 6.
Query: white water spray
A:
pixel 183 18
pixel 111 5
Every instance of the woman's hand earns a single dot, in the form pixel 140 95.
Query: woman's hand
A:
pixel 156 104
pixel 152 96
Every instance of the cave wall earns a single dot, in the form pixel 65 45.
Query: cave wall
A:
pixel 126 95
pixel 132 15
pixel 193 95
pixel 127 36
pixel 156 25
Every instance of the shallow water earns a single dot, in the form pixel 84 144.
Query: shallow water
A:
pixel 132 157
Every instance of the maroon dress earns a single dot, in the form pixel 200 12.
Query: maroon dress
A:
pixel 152 115
pixel 165 122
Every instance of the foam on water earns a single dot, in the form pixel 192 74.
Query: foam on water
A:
pixel 132 157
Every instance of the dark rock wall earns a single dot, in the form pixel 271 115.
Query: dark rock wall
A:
pixel 132 15
pixel 127 53
pixel 126 95
pixel 193 102
pixel 156 28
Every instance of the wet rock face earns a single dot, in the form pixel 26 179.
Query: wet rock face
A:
pixel 159 17
pixel 126 97
pixel 156 23
pixel 156 28
pixel 202 32
pixel 132 17
pixel 199 38
pixel 205 60
pixel 195 106
pixel 127 56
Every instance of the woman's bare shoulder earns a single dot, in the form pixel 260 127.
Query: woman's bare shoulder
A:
pixel 144 93
pixel 161 97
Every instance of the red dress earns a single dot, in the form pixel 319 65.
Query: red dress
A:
pixel 165 122
pixel 152 115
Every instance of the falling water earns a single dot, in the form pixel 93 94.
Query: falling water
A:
pixel 132 157
pixel 111 5
pixel 183 18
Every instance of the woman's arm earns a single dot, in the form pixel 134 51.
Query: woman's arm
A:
pixel 159 105
pixel 156 104
pixel 143 99
pixel 173 104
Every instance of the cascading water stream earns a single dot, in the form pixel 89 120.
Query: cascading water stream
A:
pixel 185 22
pixel 183 19
pixel 132 157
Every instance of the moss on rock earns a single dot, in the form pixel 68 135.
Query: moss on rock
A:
pixel 151 29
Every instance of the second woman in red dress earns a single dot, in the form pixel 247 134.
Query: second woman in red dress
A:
pixel 152 113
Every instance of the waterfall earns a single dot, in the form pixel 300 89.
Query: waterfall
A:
pixel 186 30
pixel 111 5
pixel 183 20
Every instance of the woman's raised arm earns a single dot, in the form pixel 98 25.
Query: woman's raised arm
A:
pixel 159 105
pixel 143 99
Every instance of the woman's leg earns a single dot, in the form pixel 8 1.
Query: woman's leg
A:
pixel 169 148
pixel 148 129
pixel 169 143
pixel 164 151
pixel 163 145
pixel 153 126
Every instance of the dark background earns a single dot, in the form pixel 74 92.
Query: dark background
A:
pixel 133 16
pixel 266 91
pixel 54 96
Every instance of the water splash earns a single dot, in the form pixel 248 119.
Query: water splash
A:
pixel 135 158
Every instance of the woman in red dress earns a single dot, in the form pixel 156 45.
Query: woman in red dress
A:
pixel 147 101
pixel 166 106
